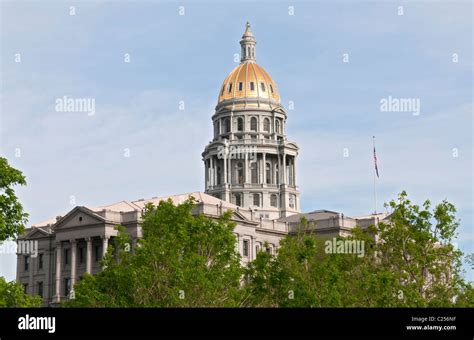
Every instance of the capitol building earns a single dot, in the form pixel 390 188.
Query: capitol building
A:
pixel 250 169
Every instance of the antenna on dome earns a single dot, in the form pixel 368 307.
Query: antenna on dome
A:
pixel 247 44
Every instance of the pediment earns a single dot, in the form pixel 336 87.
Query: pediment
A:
pixel 79 216
pixel 238 216
pixel 34 233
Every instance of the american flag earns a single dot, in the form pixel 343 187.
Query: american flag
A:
pixel 375 162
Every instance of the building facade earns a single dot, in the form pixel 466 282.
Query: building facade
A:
pixel 250 169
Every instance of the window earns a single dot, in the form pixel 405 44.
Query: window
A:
pixel 40 261
pixel 271 87
pixel 40 288
pixel 292 201
pixel 253 124
pixel 66 257
pixel 268 173
pixel 240 124
pixel 97 253
pixel 27 263
pixel 227 125
pixel 81 255
pixel 257 248
pixel 230 87
pixel 240 173
pixel 274 201
pixel 268 250
pixel 256 200
pixel 219 176
pixel 262 86
pixel 246 248
pixel 67 286
pixel 252 86
pixel 253 172
pixel 277 126
pixel 25 288
pixel 266 125
pixel 240 86
pixel 237 200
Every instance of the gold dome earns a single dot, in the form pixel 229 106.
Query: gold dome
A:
pixel 249 80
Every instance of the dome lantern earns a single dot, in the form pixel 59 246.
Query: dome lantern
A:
pixel 247 44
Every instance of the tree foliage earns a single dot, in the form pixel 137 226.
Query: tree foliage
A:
pixel 182 260
pixel 12 216
pixel 413 263
pixel 12 295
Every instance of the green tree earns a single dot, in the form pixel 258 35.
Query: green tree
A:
pixel 12 216
pixel 182 261
pixel 413 264
pixel 12 295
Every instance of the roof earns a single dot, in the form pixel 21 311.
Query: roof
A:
pixel 138 205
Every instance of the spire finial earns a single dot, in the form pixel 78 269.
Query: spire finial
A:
pixel 248 43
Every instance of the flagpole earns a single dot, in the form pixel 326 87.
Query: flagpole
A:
pixel 375 191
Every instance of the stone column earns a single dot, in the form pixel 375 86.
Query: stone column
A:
pixel 31 288
pixel 105 245
pixel 206 177
pixel 237 235
pixel 246 168
pixel 59 251
pixel 264 168
pixel 225 165
pixel 294 171
pixel 253 253
pixel 89 256
pixel 284 169
pixel 214 171
pixel 73 263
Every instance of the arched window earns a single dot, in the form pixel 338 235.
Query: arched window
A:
pixel 253 124
pixel 274 200
pixel 277 126
pixel 239 173
pixel 266 125
pixel 268 173
pixel 240 124
pixel 226 125
pixel 219 176
pixel 230 87
pixel 256 200
pixel 254 172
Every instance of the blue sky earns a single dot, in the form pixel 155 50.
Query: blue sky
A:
pixel 185 58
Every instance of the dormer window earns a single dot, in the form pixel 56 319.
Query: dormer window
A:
pixel 262 85
pixel 252 86
pixel 240 86
pixel 271 87
pixel 230 87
